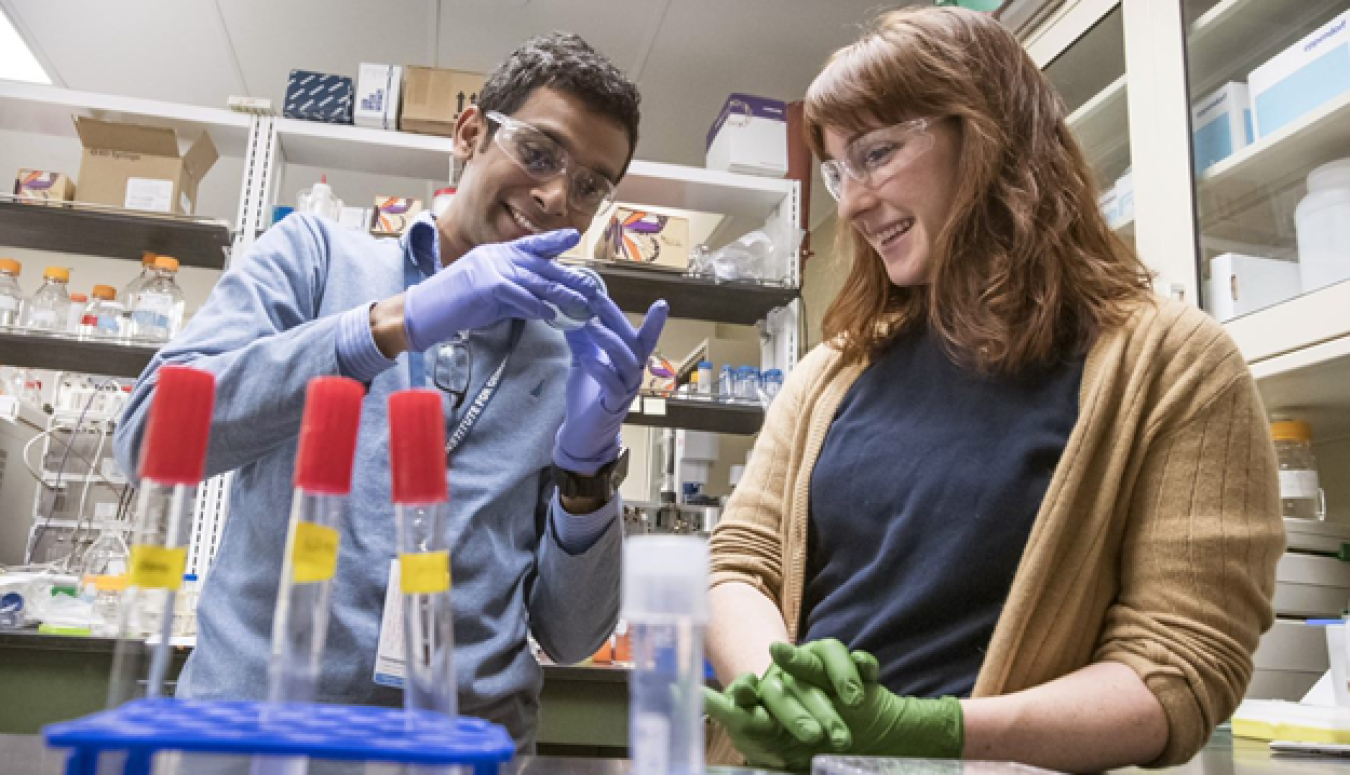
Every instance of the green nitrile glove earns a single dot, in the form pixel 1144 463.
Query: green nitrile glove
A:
pixel 882 723
pixel 756 734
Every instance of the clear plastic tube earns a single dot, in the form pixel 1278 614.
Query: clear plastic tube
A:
pixel 159 548
pixel 666 710
pixel 300 624
pixel 429 636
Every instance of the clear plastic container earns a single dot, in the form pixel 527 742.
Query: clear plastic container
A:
pixel 108 556
pixel 575 317
pixel 747 387
pixel 104 317
pixel 129 292
pixel 78 301
pixel 49 309
pixel 158 310
pixel 772 383
pixel 11 295
pixel 867 765
pixel 1322 222
pixel 106 604
pixel 1300 490
pixel 726 384
pixel 185 607
pixel 319 200
pixel 705 378
pixel 665 604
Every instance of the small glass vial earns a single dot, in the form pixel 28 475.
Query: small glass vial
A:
pixel 705 378
pixel 1300 491
pixel 665 605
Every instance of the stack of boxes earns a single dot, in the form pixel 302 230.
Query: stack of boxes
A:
pixel 424 100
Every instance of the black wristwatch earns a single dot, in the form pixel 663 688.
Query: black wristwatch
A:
pixel 603 484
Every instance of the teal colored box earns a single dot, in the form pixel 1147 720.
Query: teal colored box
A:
pixel 1221 125
pixel 1302 78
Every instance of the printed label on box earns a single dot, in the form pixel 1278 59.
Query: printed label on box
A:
pixel 149 194
pixel 315 554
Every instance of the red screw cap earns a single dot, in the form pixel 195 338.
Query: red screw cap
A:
pixel 417 447
pixel 328 435
pixel 174 449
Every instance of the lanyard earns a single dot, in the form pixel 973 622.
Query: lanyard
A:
pixel 417 372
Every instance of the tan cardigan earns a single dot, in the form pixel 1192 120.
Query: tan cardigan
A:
pixel 1155 546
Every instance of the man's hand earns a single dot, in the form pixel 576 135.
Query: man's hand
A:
pixel 608 360
pixel 488 284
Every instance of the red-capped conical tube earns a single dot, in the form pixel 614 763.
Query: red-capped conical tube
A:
pixel 328 435
pixel 176 435
pixel 417 447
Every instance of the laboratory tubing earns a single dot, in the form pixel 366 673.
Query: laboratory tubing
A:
pixel 158 309
pixel 323 479
pixel 105 317
pixel 572 318
pixel 11 295
pixel 1300 491
pixel 75 312
pixel 49 309
pixel 665 605
pixel 172 463
pixel 418 466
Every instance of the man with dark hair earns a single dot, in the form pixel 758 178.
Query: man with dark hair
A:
pixel 462 303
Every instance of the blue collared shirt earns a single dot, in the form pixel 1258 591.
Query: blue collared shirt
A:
pixel 296 307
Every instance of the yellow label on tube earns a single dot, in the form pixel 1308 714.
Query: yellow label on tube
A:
pixel 425 573
pixel 315 553
pixel 157 567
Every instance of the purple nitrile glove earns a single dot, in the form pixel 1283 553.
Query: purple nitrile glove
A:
pixel 608 360
pixel 494 282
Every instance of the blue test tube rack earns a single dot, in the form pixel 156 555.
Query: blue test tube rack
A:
pixel 140 729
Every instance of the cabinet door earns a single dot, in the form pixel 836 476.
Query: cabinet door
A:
pixel 1269 85
pixel 1090 76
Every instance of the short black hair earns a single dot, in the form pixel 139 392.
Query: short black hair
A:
pixel 563 61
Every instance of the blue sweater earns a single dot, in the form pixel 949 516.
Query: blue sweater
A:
pixel 921 504
pixel 294 308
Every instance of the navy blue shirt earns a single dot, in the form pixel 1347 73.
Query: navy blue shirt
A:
pixel 921 504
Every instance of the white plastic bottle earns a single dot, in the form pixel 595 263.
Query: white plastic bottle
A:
pixel 665 603
pixel 158 310
pixel 1322 223
pixel 49 309
pixel 11 295
pixel 319 200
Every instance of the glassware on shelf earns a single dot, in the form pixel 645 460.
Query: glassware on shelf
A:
pixel 49 309
pixel 319 200
pixel 158 309
pixel 11 295
pixel 134 287
pixel 1300 491
pixel 78 301
pixel 104 317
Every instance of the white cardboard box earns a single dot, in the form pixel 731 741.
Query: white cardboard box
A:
pixel 1221 125
pixel 1240 284
pixel 1302 78
pixel 378 89
pixel 749 137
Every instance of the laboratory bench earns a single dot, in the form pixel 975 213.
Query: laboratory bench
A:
pixel 1222 756
pixel 49 678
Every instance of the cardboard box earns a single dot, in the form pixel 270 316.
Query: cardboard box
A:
pixel 749 137
pixel 138 167
pixel 320 97
pixel 643 237
pixel 1221 125
pixel 378 88
pixel 1302 78
pixel 433 99
pixel 394 214
pixel 1240 284
pixel 43 187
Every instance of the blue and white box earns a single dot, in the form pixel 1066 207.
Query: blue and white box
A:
pixel 314 96
pixel 749 137
pixel 1302 78
pixel 378 88
pixel 1221 125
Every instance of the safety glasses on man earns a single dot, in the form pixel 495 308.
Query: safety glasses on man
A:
pixel 542 158
pixel 876 157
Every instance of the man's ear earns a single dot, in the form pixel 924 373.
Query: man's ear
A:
pixel 470 131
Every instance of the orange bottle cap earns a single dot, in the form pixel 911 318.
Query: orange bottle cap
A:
pixel 10 265
pixel 56 273
pixel 166 262
pixel 105 292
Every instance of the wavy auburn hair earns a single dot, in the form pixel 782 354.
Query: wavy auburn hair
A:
pixel 1026 271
